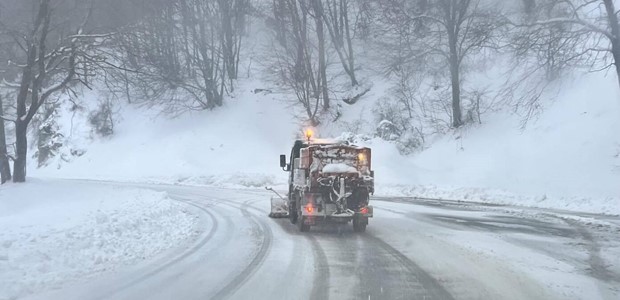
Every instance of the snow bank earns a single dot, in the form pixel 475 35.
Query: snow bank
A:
pixel 57 232
pixel 233 180
pixel 608 205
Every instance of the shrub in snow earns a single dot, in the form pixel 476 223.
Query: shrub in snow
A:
pixel 474 103
pixel 390 113
pixel 409 142
pixel 388 131
pixel 407 138
pixel 102 119
pixel 49 139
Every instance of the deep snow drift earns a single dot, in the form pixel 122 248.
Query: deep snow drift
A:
pixel 54 233
pixel 567 158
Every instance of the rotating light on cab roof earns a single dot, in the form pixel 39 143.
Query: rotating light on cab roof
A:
pixel 309 133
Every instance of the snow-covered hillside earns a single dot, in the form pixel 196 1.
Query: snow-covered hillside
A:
pixel 567 158
pixel 237 144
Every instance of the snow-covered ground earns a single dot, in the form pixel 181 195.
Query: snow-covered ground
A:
pixel 412 249
pixel 55 233
pixel 566 158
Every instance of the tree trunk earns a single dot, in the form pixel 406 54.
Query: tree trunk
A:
pixel 345 12
pixel 336 19
pixel 318 9
pixel 457 119
pixel 615 32
pixel 21 125
pixel 5 167
pixel 228 44
pixel 21 149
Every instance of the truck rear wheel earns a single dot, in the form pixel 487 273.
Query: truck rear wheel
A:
pixel 359 225
pixel 303 227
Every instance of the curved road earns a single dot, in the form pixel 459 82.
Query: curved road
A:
pixel 413 249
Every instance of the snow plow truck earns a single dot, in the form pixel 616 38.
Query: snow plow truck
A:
pixel 330 182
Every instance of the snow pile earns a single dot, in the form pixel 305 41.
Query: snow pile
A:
pixel 339 168
pixel 57 232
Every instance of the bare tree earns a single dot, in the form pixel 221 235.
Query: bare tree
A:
pixel 452 30
pixel 301 56
pixel 183 54
pixel 319 18
pixel 576 32
pixel 46 60
pixel 5 167
pixel 339 26
pixel 233 18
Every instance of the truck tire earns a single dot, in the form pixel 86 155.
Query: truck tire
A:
pixel 292 212
pixel 303 227
pixel 359 225
pixel 358 199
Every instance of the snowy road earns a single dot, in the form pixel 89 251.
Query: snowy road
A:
pixel 413 249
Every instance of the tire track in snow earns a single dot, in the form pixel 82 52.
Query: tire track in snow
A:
pixel 426 287
pixel 366 267
pixel 597 266
pixel 418 283
pixel 320 287
pixel 265 244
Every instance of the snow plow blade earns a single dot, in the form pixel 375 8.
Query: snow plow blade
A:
pixel 279 205
pixel 279 208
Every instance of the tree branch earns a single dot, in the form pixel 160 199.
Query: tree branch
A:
pixel 577 21
pixel 7 119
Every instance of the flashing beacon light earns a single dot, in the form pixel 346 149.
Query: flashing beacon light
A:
pixel 309 133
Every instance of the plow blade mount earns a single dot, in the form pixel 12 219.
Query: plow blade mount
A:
pixel 279 208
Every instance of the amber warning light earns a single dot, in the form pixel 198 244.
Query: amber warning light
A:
pixel 309 134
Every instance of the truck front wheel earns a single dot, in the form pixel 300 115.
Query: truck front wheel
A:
pixel 292 212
